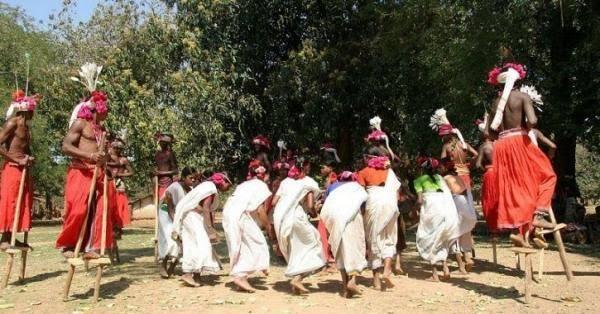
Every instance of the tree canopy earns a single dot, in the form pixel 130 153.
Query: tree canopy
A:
pixel 216 73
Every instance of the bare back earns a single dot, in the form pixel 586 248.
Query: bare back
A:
pixel 455 184
pixel 518 107
pixel 165 161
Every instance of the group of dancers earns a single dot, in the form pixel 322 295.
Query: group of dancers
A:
pixel 357 210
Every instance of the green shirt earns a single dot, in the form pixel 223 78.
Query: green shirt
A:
pixel 425 183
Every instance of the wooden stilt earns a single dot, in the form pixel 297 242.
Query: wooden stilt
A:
pixel 561 248
pixel 103 239
pixel 24 257
pixel 541 265
pixel 528 278
pixel 76 261
pixel 527 252
pixel 13 237
pixel 156 219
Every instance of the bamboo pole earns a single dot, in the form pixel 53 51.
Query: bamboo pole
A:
pixel 13 236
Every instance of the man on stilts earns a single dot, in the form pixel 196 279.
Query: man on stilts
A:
pixel 82 144
pixel 525 177
pixel 15 141
pixel 166 162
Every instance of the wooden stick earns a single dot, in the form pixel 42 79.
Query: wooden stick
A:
pixel 24 257
pixel 156 219
pixel 103 239
pixel 13 237
pixel 527 278
pixel 561 248
pixel 9 264
pixel 541 266
pixel 91 192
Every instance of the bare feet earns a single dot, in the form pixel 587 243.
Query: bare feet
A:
pixel 540 222
pixel 4 246
pixel 91 255
pixel 331 268
pixel 297 286
pixel 386 279
pixel 68 254
pixel 446 271
pixel 469 264
pixel 188 280
pixel 377 285
pixel 518 240
pixel 243 285
pixel 540 243
pixel 265 272
pixel 171 269
pixel 162 269
pixel 350 290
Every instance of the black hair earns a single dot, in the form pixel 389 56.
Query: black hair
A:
pixel 186 171
pixel 373 151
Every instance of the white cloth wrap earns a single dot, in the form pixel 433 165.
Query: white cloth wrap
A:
pixel 467 219
pixel 508 78
pixel 344 222
pixel 167 247
pixel 198 253
pixel 298 239
pixel 438 224
pixel 381 217
pixel 248 248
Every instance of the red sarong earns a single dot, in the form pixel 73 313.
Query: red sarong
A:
pixel 9 191
pixel 489 198
pixel 77 187
pixel 163 184
pixel 525 179
pixel 123 208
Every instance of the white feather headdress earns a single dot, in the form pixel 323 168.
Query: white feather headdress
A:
pixel 88 76
pixel 438 118
pixel 534 95
pixel 375 122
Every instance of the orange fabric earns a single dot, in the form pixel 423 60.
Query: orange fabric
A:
pixel 525 180
pixel 9 191
pixel 123 208
pixel 466 178
pixel 324 241
pixel 76 194
pixel 372 177
pixel 489 198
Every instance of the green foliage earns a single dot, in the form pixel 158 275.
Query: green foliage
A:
pixel 216 73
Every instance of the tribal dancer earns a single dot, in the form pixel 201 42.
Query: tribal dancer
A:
pixel 298 240
pixel 248 248
pixel 190 228
pixel 525 177
pixel 328 171
pixel 119 167
pixel 438 224
pixel 381 216
pixel 342 215
pixel 82 144
pixel 15 141
pixel 168 249
pixel 166 162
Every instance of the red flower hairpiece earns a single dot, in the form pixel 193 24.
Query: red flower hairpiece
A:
pixel 493 74
pixel 379 162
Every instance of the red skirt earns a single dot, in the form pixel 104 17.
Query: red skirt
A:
pixel 9 191
pixel 525 179
pixel 489 198
pixel 123 208
pixel 76 195
pixel 324 241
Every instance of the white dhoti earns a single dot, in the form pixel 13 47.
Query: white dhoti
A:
pixel 167 247
pixel 467 218
pixel 198 254
pixel 381 217
pixel 298 239
pixel 344 222
pixel 248 248
pixel 438 225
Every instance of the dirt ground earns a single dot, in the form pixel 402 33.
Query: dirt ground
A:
pixel 133 286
